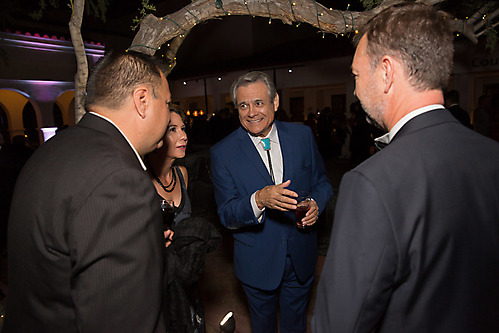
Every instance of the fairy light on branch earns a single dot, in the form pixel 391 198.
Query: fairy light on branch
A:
pixel 220 5
pixel 146 46
pixel 292 4
pixel 268 8
pixel 346 26
pixel 246 4
pixel 195 17
pixel 318 21
pixel 178 25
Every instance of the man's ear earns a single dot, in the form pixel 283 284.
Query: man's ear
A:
pixel 276 102
pixel 388 72
pixel 141 100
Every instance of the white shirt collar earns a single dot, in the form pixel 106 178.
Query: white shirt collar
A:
pixel 133 148
pixel 387 138
pixel 272 136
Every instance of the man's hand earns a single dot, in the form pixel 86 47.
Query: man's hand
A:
pixel 276 197
pixel 312 215
pixel 168 237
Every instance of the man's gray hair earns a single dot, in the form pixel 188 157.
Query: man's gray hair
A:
pixel 249 78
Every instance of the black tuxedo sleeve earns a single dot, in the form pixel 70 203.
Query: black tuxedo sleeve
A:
pixel 361 262
pixel 117 256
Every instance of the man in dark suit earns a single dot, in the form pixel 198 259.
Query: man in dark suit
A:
pixel 253 179
pixel 85 231
pixel 415 240
pixel 452 104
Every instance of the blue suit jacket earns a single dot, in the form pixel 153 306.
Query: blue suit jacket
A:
pixel 238 171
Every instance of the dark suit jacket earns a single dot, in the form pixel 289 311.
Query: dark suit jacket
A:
pixel 461 115
pixel 415 241
pixel 238 171
pixel 85 237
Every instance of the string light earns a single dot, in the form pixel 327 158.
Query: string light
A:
pixel 344 20
pixel 292 11
pixel 166 17
pixel 318 22
pixel 146 46
pixel 195 17
pixel 268 8
pixel 220 5
pixel 246 4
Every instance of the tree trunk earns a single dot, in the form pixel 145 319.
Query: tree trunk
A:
pixel 81 75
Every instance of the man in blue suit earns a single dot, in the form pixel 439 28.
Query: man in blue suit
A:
pixel 256 172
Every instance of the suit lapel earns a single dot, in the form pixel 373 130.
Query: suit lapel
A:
pixel 285 140
pixel 248 149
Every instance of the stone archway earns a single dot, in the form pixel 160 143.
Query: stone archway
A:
pixel 4 125
pixel 13 102
pixel 65 102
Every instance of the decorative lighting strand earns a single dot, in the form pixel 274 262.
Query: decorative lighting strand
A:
pixel 292 11
pixel 318 22
pixel 246 4
pixel 166 17
pixel 195 17
pixel 268 8
pixel 345 31
pixel 220 5
pixel 146 46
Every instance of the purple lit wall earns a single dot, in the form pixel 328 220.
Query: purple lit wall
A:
pixel 42 67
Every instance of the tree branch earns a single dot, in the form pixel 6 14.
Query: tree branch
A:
pixel 154 31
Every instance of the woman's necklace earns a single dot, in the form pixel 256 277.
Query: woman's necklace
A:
pixel 173 181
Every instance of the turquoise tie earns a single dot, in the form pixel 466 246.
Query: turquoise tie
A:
pixel 266 147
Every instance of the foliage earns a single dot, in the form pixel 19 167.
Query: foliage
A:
pixel 96 8
pixel 7 7
pixel 482 8
pixel 370 4
pixel 492 38
pixel 37 15
pixel 143 12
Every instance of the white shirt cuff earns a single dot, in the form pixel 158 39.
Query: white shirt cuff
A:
pixel 257 211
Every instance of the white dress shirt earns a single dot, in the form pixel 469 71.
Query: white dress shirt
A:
pixel 277 165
